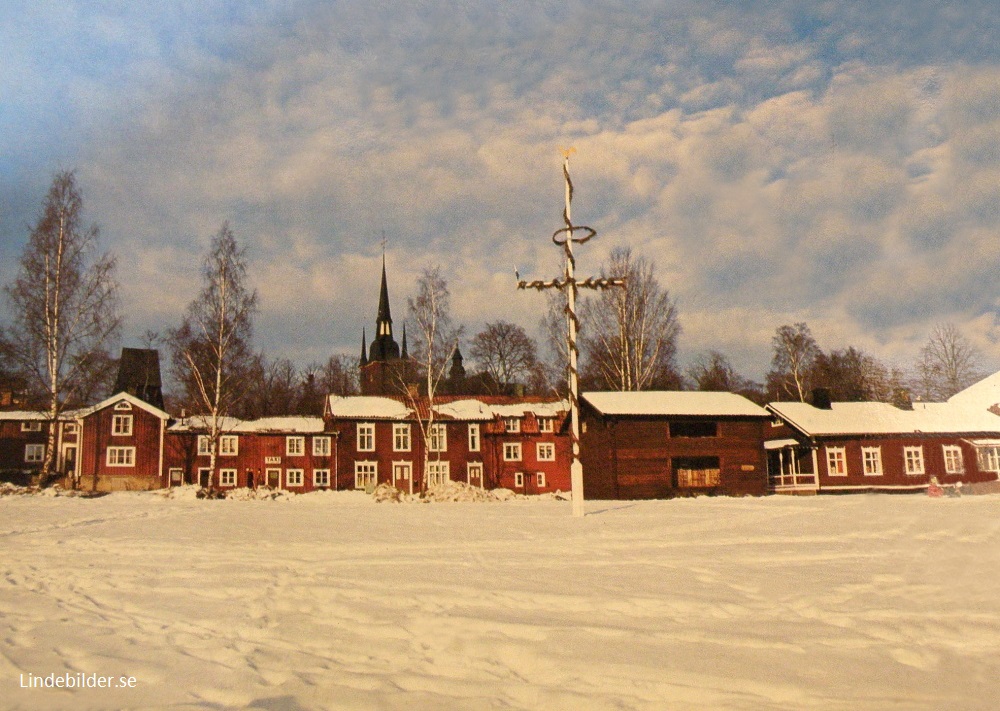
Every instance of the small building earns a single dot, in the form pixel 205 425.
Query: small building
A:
pixel 867 446
pixel 24 435
pixel 648 445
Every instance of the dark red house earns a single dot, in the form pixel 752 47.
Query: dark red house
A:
pixel 23 438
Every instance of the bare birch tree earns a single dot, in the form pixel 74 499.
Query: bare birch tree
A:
pixel 211 352
pixel 505 353
pixel 629 336
pixel 64 303
pixel 795 353
pixel 947 364
pixel 435 339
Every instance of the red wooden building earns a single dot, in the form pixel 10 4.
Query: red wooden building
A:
pixel 23 438
pixel 645 445
pixel 865 446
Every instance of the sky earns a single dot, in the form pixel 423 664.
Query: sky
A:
pixel 836 162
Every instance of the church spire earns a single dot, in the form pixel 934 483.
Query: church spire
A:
pixel 364 349
pixel 404 354
pixel 384 318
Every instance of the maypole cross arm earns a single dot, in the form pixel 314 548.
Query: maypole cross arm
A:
pixel 570 285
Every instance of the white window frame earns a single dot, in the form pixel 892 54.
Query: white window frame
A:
pixel 69 428
pixel 518 480
pixel 470 467
pixel 871 461
pixel 474 440
pixel 34 453
pixel 401 437
pixel 295 446
pixel 512 424
pixel 438 438
pixel 31 426
pixel 229 445
pixel 204 445
pixel 120 456
pixel 366 436
pixel 988 458
pixel 546 424
pixel 176 475
pixel 321 478
pixel 913 460
pixel 123 405
pixel 512 452
pixel 295 477
pixel 438 473
pixel 954 461
pixel 321 446
pixel 227 477
pixel 836 461
pixel 545 451
pixel 121 425
pixel 540 479
pixel 364 471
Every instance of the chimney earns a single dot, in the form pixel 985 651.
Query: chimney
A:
pixel 821 398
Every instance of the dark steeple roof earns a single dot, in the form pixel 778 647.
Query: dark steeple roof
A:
pixel 383 347
pixel 139 375
pixel 384 316
pixel 364 348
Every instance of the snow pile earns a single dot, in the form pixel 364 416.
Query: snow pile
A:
pixel 259 494
pixel 454 491
pixel 8 489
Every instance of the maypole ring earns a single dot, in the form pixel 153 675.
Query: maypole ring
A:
pixel 570 230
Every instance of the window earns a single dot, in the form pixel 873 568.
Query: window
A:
pixel 34 453
pixel 512 451
pixel 439 438
pixel 518 480
pixel 321 477
pixel 546 451
pixel 366 437
pixel 953 463
pixel 836 461
pixel 776 422
pixel 294 477
pixel 204 445
pixel 295 446
pixel 438 473
pixel 70 428
pixel 546 424
pixel 121 425
pixel 989 458
pixel 513 424
pixel 694 429
pixel 33 426
pixel 696 472
pixel 913 457
pixel 540 479
pixel 227 477
pixel 121 456
pixel 229 445
pixel 123 405
pixel 176 476
pixel 365 474
pixel 321 447
pixel 474 437
pixel 400 437
pixel 872 459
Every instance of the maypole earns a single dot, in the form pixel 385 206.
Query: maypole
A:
pixel 565 238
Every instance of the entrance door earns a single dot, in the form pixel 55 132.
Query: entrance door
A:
pixel 69 459
pixel 402 476
pixel 204 477
pixel 475 474
pixel 273 478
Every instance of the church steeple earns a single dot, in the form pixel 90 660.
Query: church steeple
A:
pixel 383 322
pixel 364 349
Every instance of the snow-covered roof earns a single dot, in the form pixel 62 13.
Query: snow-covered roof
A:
pixel 470 410
pixel 670 402
pixel 857 418
pixel 303 425
pixel 118 397
pixel 17 415
pixel 200 423
pixel 984 394
pixel 367 406
pixel 467 409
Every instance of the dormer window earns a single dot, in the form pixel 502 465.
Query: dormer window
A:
pixel 123 405
pixel 546 424
pixel 513 424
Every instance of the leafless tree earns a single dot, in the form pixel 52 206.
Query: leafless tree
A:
pixel 64 302
pixel 435 339
pixel 795 352
pixel 947 364
pixel 713 372
pixel 505 353
pixel 629 336
pixel 211 353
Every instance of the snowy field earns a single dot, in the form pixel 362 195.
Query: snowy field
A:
pixel 330 601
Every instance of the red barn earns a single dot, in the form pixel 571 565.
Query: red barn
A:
pixel 645 445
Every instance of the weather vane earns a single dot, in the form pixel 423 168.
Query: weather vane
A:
pixel 566 238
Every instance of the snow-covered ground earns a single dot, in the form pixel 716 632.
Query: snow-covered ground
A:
pixel 333 601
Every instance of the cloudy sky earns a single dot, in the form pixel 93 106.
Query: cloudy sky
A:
pixel 830 162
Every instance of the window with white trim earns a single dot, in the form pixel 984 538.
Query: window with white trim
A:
pixel 438 473
pixel 31 426
pixel 540 478
pixel 519 480
pixel 871 458
pixel 121 425
pixel 513 424
pixel 123 405
pixel 836 461
pixel 70 428
pixel 512 451
pixel 321 447
pixel 229 445
pixel 439 437
pixel 295 477
pixel 121 456
pixel 400 437
pixel 913 459
pixel 545 451
pixel 546 424
pixel 204 445
pixel 295 446
pixel 321 477
pixel 365 474
pixel 366 437
pixel 34 453
pixel 988 458
pixel 227 477
pixel 474 437
pixel 953 461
